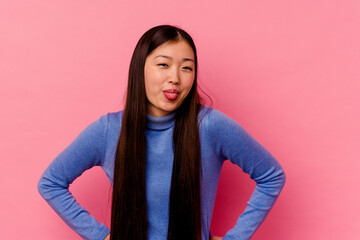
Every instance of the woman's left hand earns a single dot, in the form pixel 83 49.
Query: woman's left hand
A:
pixel 216 238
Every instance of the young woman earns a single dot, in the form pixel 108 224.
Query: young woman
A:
pixel 163 154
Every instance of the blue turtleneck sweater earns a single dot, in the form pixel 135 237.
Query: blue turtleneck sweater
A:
pixel 221 138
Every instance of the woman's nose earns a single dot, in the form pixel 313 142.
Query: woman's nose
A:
pixel 174 77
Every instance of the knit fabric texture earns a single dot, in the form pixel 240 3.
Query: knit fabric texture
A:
pixel 221 139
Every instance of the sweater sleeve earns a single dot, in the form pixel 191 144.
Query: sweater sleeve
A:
pixel 86 151
pixel 234 143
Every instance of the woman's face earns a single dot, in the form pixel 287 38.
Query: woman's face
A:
pixel 169 75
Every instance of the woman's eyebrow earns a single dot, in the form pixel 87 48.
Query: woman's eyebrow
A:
pixel 168 57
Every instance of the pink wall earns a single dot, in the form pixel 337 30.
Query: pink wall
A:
pixel 287 71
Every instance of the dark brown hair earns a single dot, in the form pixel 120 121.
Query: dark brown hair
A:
pixel 129 218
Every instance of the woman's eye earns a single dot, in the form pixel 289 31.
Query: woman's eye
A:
pixel 188 68
pixel 162 64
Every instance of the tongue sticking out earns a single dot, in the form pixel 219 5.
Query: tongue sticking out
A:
pixel 170 96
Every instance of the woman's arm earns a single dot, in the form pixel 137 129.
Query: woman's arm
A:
pixel 86 151
pixel 234 143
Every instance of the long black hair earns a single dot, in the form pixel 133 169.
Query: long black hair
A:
pixel 129 218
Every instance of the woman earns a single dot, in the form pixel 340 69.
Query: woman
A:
pixel 163 154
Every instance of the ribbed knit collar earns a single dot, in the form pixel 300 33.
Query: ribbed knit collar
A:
pixel 160 123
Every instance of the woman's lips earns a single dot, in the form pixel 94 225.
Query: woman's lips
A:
pixel 171 94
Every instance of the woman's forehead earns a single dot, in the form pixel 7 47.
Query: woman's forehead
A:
pixel 174 51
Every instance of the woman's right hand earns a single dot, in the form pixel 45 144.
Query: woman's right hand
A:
pixel 107 237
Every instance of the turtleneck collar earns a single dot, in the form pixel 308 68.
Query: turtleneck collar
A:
pixel 160 123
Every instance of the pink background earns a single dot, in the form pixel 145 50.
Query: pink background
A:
pixel 287 71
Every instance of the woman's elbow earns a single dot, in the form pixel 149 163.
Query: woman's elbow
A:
pixel 282 178
pixel 41 186
pixel 45 187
